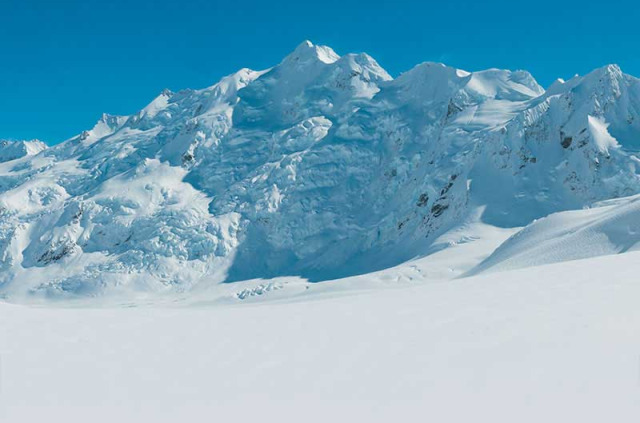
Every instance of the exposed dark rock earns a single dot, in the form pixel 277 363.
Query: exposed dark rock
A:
pixel 187 157
pixel 56 254
pixel 401 224
pixel 423 200
pixel 446 188
pixel 453 109
pixel 438 209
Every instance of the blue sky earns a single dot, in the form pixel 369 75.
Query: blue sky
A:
pixel 63 63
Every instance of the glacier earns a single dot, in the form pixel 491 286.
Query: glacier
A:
pixel 321 167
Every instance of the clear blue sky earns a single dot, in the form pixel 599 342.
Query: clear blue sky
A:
pixel 64 62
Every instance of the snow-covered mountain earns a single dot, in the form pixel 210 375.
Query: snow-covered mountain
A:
pixel 320 167
pixel 12 150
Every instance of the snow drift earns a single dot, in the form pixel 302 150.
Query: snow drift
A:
pixel 611 227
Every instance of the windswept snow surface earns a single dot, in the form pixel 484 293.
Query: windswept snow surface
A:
pixel 557 344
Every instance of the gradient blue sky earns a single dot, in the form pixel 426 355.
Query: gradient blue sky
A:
pixel 63 63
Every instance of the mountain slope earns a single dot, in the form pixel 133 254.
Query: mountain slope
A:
pixel 320 167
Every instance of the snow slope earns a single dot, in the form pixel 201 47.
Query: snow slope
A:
pixel 611 227
pixel 557 344
pixel 320 167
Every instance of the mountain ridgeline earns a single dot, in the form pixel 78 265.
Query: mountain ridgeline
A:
pixel 322 166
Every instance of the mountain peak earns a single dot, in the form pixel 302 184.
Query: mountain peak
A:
pixel 503 84
pixel 12 150
pixel 308 52
pixel 607 80
pixel 430 82
pixel 609 73
pixel 364 62
pixel 612 69
pixel 431 71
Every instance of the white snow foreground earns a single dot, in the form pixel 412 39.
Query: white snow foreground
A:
pixel 555 344
pixel 321 167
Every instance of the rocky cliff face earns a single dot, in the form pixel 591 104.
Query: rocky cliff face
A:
pixel 322 166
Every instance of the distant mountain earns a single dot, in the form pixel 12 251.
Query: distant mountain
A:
pixel 322 166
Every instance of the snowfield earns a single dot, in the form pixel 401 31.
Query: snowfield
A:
pixel 555 343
